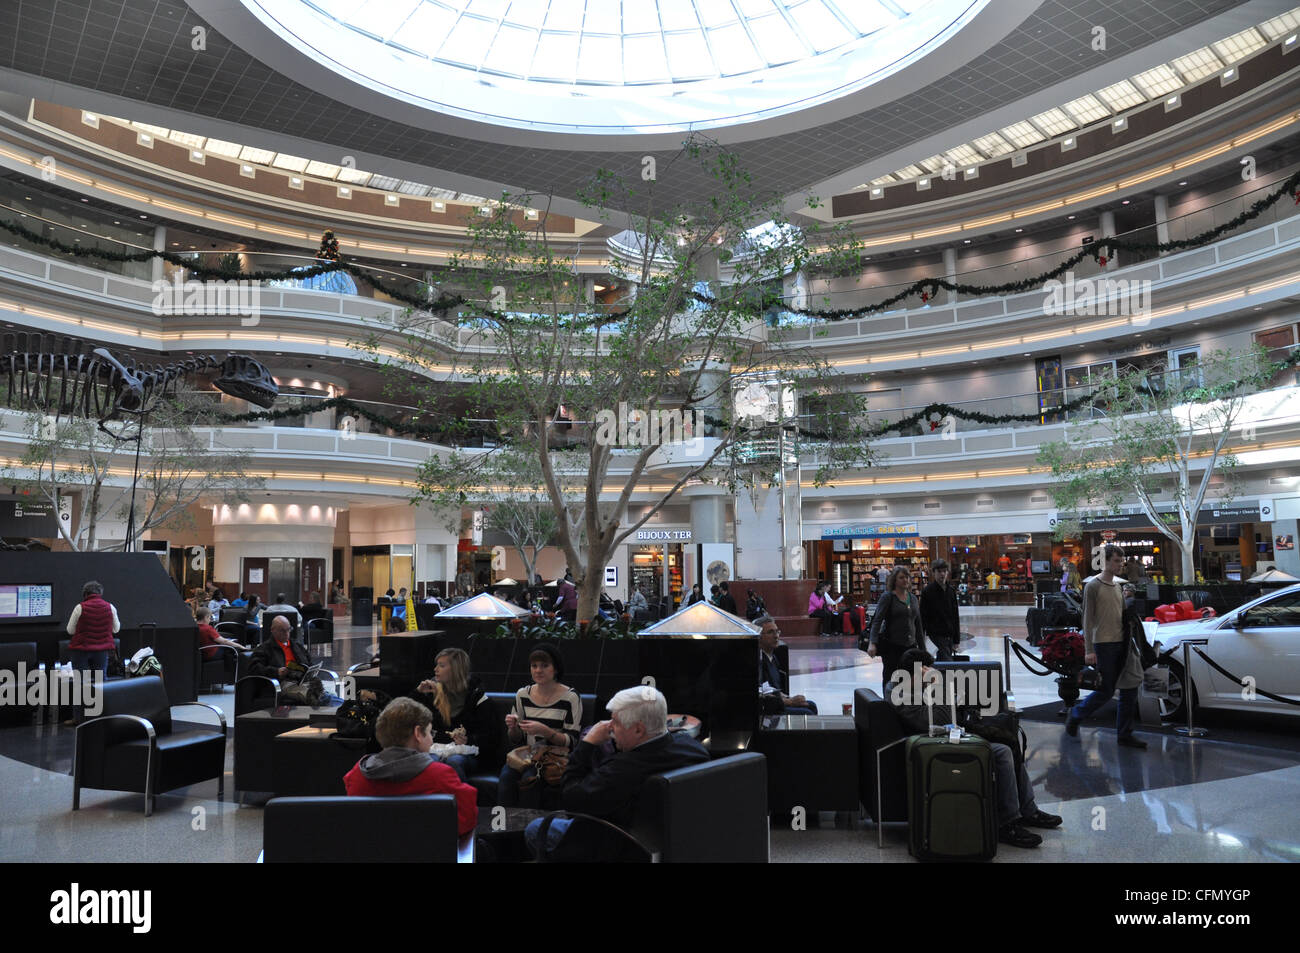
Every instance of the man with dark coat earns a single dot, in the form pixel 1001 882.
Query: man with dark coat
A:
pixel 272 657
pixel 939 615
pixel 726 601
pixel 609 789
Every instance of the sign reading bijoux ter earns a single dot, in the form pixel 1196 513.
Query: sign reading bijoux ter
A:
pixel 674 535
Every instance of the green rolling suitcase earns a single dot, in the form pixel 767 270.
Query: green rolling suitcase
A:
pixel 952 810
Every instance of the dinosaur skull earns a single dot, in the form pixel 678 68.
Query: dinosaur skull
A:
pixel 247 379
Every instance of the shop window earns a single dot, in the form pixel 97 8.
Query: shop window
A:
pixel 1048 374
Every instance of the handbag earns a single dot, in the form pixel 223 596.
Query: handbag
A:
pixel 548 762
pixel 356 718
pixel 303 693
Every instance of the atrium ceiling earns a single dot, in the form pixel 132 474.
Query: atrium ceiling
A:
pixel 135 58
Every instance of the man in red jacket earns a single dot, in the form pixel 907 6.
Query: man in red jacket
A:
pixel 405 766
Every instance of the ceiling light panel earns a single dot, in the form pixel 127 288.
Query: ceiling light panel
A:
pixel 186 139
pixel 1240 45
pixel 1157 81
pixel 1282 26
pixel 909 172
pixel 290 163
pixel 219 147
pixel 1087 109
pixel 1198 64
pixel 884 180
pixel 158 132
pixel 933 164
pixel 963 155
pixel 993 145
pixel 1021 134
pixel 1123 95
pixel 1054 122
pixel 322 170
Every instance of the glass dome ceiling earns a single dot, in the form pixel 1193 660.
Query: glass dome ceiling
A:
pixel 615 66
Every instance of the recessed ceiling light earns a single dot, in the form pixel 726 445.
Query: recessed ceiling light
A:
pixel 144 216
pixel 966 241
pixel 1125 202
pixel 1020 229
pixel 1071 217
pixel 1184 182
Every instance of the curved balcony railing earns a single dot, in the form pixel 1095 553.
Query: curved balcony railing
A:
pixel 88 228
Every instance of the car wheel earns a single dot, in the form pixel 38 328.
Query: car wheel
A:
pixel 1174 708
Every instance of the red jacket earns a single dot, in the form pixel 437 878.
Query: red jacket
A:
pixel 437 778
pixel 94 627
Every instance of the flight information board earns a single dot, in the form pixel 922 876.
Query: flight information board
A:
pixel 18 603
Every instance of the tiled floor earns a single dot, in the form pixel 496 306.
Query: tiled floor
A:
pixel 1179 801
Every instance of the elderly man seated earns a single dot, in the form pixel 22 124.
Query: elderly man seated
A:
pixel 609 790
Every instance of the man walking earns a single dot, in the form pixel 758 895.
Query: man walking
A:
pixel 939 615
pixel 1106 647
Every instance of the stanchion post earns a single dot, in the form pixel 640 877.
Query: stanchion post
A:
pixel 1190 731
pixel 1006 664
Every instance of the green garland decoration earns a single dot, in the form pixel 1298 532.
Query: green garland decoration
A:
pixel 926 288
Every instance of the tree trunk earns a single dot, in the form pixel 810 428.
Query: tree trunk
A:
pixel 1188 553
pixel 589 593
pixel 93 517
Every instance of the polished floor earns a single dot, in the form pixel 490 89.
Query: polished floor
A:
pixel 1201 800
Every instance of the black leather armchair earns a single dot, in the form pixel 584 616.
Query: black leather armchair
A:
pixel 221 669
pixel 714 812
pixel 418 829
pixel 132 746
pixel 12 654
pixel 879 734
pixel 254 693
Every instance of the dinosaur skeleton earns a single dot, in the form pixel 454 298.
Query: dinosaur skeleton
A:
pixel 103 388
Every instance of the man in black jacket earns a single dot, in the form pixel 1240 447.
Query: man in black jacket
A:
pixel 271 658
pixel 726 601
pixel 939 615
pixel 609 790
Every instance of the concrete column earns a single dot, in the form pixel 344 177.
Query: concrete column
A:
pixel 1162 219
pixel 709 519
pixel 950 270
pixel 159 244
pixel 1107 226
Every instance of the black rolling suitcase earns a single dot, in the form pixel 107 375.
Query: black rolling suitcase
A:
pixel 1035 619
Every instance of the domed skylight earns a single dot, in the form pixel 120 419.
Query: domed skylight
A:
pixel 615 66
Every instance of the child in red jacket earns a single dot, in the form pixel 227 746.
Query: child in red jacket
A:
pixel 405 766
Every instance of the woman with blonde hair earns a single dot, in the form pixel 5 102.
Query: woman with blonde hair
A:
pixel 461 712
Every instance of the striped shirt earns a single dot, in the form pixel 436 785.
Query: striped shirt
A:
pixel 563 714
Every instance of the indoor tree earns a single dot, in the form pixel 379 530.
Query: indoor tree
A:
pixel 1160 437
pixel 552 368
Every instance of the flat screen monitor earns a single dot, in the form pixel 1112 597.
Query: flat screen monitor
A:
pixel 1041 566
pixel 26 603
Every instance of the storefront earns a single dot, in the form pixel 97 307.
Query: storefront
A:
pixel 658 561
pixel 1231 542
pixel 850 557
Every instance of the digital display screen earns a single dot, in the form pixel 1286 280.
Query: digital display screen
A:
pixel 26 602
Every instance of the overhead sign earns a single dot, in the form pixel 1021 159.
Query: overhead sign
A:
pixel 1209 515
pixel 28 516
pixel 871 531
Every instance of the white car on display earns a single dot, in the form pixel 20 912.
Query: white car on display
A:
pixel 1258 641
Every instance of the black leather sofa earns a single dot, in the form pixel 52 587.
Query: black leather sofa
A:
pixel 878 727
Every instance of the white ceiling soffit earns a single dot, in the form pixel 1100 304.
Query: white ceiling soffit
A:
pixel 268 34
pixel 1202 34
